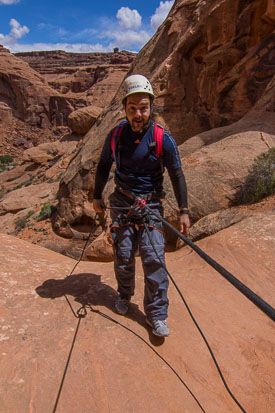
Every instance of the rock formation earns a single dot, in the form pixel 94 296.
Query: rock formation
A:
pixel 38 90
pixel 80 121
pixel 37 331
pixel 206 78
pixel 58 61
pixel 94 77
pixel 27 94
pixel 29 107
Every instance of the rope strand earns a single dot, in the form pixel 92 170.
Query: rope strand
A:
pixel 195 322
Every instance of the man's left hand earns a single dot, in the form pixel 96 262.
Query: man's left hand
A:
pixel 184 223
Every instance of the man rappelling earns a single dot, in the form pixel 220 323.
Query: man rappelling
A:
pixel 141 150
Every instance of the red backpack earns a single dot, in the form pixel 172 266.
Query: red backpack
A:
pixel 158 133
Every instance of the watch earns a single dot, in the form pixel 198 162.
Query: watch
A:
pixel 184 211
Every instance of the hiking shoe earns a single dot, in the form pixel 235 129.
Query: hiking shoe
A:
pixel 122 305
pixel 159 327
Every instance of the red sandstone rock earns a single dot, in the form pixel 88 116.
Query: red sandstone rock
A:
pixel 37 330
pixel 81 120
pixel 25 91
pixel 92 77
pixel 29 196
pixel 101 248
pixel 48 151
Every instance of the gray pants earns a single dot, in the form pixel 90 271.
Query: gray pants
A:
pixel 128 236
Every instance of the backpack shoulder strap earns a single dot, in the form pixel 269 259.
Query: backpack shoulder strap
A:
pixel 115 136
pixel 158 139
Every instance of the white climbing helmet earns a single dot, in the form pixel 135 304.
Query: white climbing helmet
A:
pixel 137 84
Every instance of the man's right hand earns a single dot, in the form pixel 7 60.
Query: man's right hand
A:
pixel 99 206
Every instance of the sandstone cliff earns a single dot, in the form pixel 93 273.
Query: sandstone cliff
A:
pixel 38 90
pixel 29 106
pixel 93 76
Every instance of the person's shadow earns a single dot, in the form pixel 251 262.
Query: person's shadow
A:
pixel 88 290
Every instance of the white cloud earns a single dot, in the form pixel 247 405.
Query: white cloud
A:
pixel 125 39
pixel 17 32
pixel 129 35
pixel 128 19
pixel 8 2
pixel 161 13
pixel 67 47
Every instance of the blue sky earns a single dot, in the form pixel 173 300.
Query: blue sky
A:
pixel 80 26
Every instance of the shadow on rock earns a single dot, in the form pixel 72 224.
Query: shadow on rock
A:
pixel 87 289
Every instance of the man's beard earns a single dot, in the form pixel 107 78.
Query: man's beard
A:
pixel 138 125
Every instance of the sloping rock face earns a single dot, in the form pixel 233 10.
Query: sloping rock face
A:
pixel 26 92
pixel 30 110
pixel 28 197
pixel 204 77
pixel 38 328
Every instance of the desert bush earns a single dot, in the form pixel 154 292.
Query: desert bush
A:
pixel 20 223
pixel 45 212
pixel 6 162
pixel 260 181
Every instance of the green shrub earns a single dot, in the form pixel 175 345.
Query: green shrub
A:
pixel 260 181
pixel 45 212
pixel 6 161
pixel 20 223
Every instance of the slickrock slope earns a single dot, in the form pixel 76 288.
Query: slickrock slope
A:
pixel 205 77
pixel 106 372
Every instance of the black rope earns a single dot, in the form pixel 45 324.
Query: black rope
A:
pixel 195 321
pixel 152 348
pixel 74 267
pixel 66 367
pixel 253 297
pixel 79 314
